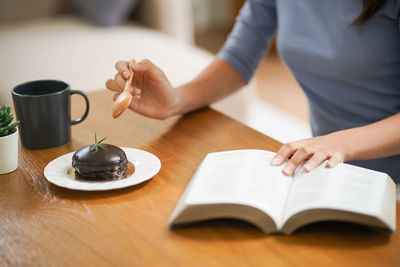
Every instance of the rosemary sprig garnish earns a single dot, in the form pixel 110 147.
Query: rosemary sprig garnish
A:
pixel 97 143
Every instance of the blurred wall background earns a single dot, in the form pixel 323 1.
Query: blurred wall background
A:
pixel 213 21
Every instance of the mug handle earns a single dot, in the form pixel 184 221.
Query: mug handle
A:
pixel 72 92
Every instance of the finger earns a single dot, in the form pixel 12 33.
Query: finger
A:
pixel 315 160
pixel 137 78
pixel 131 63
pixel 122 68
pixel 134 103
pixel 284 153
pixel 120 81
pixel 143 65
pixel 113 86
pixel 298 157
pixel 135 91
pixel 115 96
pixel 146 71
pixel 146 66
pixel 335 160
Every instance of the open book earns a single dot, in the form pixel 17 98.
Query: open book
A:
pixel 241 184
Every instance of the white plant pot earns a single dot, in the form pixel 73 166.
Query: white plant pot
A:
pixel 9 153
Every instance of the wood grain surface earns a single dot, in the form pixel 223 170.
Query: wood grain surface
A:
pixel 45 225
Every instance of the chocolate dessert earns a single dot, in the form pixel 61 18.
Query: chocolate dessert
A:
pixel 100 162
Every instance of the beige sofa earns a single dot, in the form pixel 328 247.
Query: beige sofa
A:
pixel 68 48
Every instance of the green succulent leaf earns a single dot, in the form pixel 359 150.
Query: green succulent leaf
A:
pixel 3 108
pixel 5 119
pixel 4 114
pixel 7 110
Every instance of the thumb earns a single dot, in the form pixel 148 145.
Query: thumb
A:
pixel 335 160
pixel 145 66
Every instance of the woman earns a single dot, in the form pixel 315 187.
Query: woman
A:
pixel 345 55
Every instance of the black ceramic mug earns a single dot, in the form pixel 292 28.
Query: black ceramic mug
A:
pixel 44 109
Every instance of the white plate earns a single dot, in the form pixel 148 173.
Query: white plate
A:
pixel 146 166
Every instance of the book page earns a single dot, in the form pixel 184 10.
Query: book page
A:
pixel 241 177
pixel 345 187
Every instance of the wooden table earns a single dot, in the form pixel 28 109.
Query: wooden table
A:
pixel 42 224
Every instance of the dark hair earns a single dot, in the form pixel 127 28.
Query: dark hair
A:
pixel 370 7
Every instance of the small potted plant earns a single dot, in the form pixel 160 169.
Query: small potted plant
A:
pixel 8 141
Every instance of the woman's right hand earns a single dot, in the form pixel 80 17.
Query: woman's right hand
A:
pixel 153 94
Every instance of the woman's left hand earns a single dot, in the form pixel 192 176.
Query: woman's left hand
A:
pixel 315 151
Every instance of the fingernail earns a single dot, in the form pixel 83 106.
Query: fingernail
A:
pixel 308 166
pixel 276 160
pixel 288 169
pixel 331 164
pixel 126 74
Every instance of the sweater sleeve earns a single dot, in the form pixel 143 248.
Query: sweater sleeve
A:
pixel 251 36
